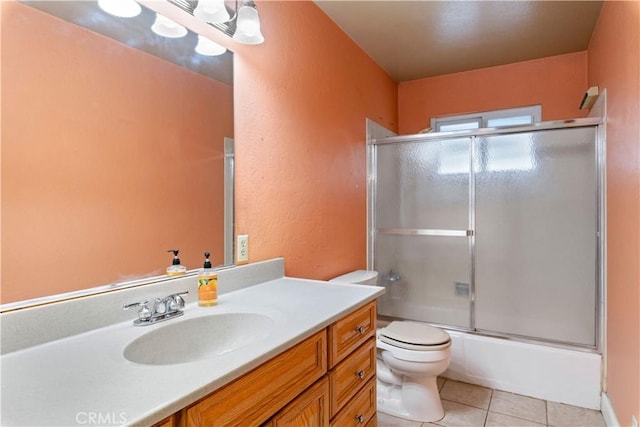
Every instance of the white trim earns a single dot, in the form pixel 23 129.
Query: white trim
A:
pixel 608 412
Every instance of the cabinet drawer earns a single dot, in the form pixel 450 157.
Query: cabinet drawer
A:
pixel 256 396
pixel 360 410
pixel 310 409
pixel 348 333
pixel 346 379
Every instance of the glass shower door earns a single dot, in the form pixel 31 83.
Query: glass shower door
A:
pixel 421 218
pixel 536 235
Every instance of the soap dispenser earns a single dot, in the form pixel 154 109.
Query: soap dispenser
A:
pixel 175 269
pixel 207 284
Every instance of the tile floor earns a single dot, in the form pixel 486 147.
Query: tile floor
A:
pixel 475 406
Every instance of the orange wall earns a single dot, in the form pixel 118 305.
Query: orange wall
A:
pixel 557 83
pixel 94 171
pixel 301 102
pixel 614 56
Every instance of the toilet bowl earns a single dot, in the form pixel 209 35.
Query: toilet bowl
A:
pixel 410 356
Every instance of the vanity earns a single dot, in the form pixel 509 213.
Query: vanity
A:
pixel 282 351
pixel 328 379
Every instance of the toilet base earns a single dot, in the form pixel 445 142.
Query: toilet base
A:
pixel 417 399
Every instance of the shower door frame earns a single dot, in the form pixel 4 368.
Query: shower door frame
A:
pixel 600 256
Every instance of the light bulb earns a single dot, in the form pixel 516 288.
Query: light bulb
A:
pixel 120 8
pixel 165 27
pixel 209 48
pixel 212 11
pixel 248 26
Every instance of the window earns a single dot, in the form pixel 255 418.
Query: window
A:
pixel 489 119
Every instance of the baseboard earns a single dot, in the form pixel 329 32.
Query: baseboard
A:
pixel 608 412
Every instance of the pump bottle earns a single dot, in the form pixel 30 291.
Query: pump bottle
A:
pixel 207 284
pixel 175 269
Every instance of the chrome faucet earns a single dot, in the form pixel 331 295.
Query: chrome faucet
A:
pixel 163 309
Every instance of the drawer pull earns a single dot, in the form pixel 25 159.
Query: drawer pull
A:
pixel 361 374
pixel 360 329
pixel 360 419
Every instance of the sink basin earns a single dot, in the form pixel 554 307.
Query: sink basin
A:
pixel 198 338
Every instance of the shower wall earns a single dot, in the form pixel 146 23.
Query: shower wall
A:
pixel 490 232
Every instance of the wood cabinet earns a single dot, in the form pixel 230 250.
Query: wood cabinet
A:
pixel 352 363
pixel 329 379
pixel 167 422
pixel 254 397
pixel 351 375
pixel 310 409
pixel 351 332
pixel 360 410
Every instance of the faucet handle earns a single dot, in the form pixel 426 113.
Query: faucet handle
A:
pixel 143 313
pixel 177 302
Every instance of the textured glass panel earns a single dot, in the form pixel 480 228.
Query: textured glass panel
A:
pixel 423 185
pixel 536 235
pixel 507 153
pixel 434 278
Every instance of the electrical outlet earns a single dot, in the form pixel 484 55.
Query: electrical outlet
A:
pixel 634 421
pixel 242 255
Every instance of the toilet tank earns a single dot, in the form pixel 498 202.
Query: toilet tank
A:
pixel 358 277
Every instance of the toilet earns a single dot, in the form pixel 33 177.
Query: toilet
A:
pixel 410 356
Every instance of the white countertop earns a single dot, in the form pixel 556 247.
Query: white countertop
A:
pixel 85 380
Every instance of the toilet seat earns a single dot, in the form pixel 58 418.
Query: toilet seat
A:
pixel 443 352
pixel 414 336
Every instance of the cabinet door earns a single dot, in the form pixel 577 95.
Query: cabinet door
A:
pixel 254 398
pixel 310 409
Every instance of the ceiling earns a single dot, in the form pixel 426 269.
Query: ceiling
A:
pixel 417 39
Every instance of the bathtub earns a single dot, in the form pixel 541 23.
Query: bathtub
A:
pixel 556 374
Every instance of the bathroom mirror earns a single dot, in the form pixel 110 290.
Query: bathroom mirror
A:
pixel 113 151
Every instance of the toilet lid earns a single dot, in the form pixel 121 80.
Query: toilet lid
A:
pixel 415 334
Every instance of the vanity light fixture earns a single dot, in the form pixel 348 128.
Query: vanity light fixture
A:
pixel 248 25
pixel 120 8
pixel 212 11
pixel 164 26
pixel 236 18
pixel 209 48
